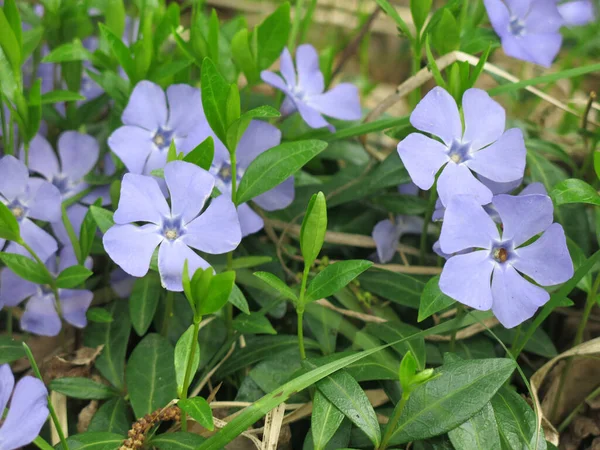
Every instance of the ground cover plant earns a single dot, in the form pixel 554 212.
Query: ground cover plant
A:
pixel 219 230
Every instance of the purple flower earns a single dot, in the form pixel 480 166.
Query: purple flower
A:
pixel 28 409
pixel 577 13
pixel 484 147
pixel 176 229
pixel 29 198
pixel 528 29
pixel 305 93
pixel 41 316
pixel 490 276
pixel 121 282
pixel 152 121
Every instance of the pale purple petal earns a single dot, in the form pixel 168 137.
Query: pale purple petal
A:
pixel 78 154
pixel 198 135
pixel 101 192
pixel 14 289
pixel 13 177
pixel 287 106
pixel 457 179
pixel 216 230
pixel 484 118
pixel 577 13
pixel 171 258
pixel 185 108
pixel 500 188
pixel 286 66
pixel 280 197
pixel 310 78
pixel 74 304
pixel 513 47
pixel 386 236
pixel 259 137
pixel 438 114
pixel 147 107
pixel 27 414
pixel 190 187
pixel 408 189
pixel 466 225
pixel 515 299
pixel 42 158
pixel 312 117
pixel 504 160
pixel 274 80
pixel 67 258
pixel 132 145
pixel 121 282
pixel 40 316
pixel 141 201
pixel 7 384
pixel 534 188
pixel 131 247
pixel 499 15
pixel 156 160
pixel 44 201
pixel 523 216
pixel 340 102
pixel 543 17
pixel 466 278
pixel 423 157
pixel 520 8
pixel 411 224
pixel 250 222
pixel 547 260
pixel 537 48
pixel 42 243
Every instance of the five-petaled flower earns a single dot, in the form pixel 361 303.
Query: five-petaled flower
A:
pixel 578 12
pixel 176 229
pixel 28 409
pixel 484 147
pixel 490 275
pixel 306 94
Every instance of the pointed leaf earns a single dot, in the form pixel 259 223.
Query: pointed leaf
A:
pixel 335 277
pixel 276 283
pixel 199 410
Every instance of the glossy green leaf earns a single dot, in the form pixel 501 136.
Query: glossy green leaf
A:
pixel 93 440
pixel 515 419
pixel 119 50
pixel 480 432
pixel 9 43
pixel 199 410
pixel 10 350
pixel 279 285
pixel 98 315
pixel 103 218
pixel 237 299
pixel 314 228
pixel 143 302
pixel 391 11
pixel 34 109
pixel 433 300
pixel 9 227
pixel 334 277
pixel 113 416
pixel 446 33
pixel 393 331
pixel 203 154
pixel 238 126
pixel 73 276
pixel 254 323
pixel 11 11
pixel 397 287
pixel 574 191
pixel 26 268
pixel 274 166
pixel 83 388
pixel 325 420
pixel 272 36
pixel 215 92
pixel 179 440
pixel 242 56
pixel 183 350
pixel 52 97
pixel 219 292
pixel 419 10
pixel 71 51
pixel 245 262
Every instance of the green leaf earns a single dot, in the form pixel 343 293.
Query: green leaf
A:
pixel 98 315
pixel 215 92
pixel 334 277
pixel 26 268
pixel 237 299
pixel 397 287
pixel 480 432
pixel 238 126
pixel 73 276
pixel 93 440
pixel 113 416
pixel 183 349
pixel 203 154
pixel 276 283
pixel 574 191
pixel 83 388
pixel 150 375
pixel 391 11
pixel 52 97
pixel 544 171
pixel 254 323
pixel 393 331
pixel 245 262
pixel 71 51
pixel 462 388
pixel 87 233
pixel 103 218
pixel 199 410
pixel 34 109
pixel 180 440
pixel 433 300
pixel 515 419
pixel 119 50
pixel 114 16
pixel 446 33
pixel 10 350
pixel 410 205
pixel 242 56
pixel 9 43
pixel 9 227
pixel 274 166
pixel 219 292
pixel 325 420
pixel 233 110
pixel 407 371
pixel 272 36
pixel 143 302
pixel 314 228
pixel 346 394
pixel 419 10
pixel 597 163
pixel 11 11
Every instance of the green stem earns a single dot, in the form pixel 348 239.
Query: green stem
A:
pixel 188 370
pixel 427 221
pixel 415 95
pixel 296 25
pixel 47 272
pixel 168 314
pixel 393 423
pixel 300 311
pixel 41 443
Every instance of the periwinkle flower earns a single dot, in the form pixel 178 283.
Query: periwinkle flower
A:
pixel 304 88
pixel 151 121
pixel 28 409
pixel 577 13
pixel 177 229
pixel 491 275
pixel 29 198
pixel 484 147
pixel 41 314
pixel 528 29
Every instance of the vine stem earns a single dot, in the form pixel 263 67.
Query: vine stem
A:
pixel 391 425
pixel 300 311
pixel 188 370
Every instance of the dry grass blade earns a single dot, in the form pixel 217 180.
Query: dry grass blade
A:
pixel 59 402
pixel 273 422
pixel 196 391
pixel 349 313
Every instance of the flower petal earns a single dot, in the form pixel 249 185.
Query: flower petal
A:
pixel 523 216
pixel 467 278
pixel 147 107
pixel 485 118
pixel 39 240
pixel 543 17
pixel 171 258
pixel 534 188
pixel 466 225
pixel 519 8
pixel 250 222
pixel 14 177
pixel 457 179
pixel 386 236
pixel 185 108
pixel 280 197
pixel 537 48
pixel 7 383
pixel 438 114
pixel 216 230
pixel 515 299
pixel 577 13
pixel 340 102
pixel 40 316
pixel 259 137
pixel 133 146
pixel 74 304
pixel 44 201
pixel 500 188
pixel 27 414
pixel 78 154
pixel 190 186
pixel 287 106
pixel 422 157
pixel 141 201
pixel 42 158
pixel 499 15
pixel 547 260
pixel 310 78
pixel 286 67
pixel 311 116
pixel 121 282
pixel 504 160
pixel 274 80
pixel 14 289
pixel 131 247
